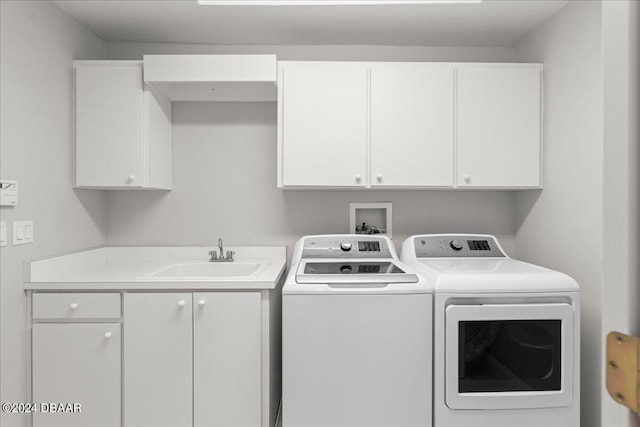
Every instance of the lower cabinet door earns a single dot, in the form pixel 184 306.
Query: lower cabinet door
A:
pixel 76 364
pixel 227 359
pixel 157 352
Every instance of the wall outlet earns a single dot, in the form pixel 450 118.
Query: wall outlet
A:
pixel 3 233
pixel 22 232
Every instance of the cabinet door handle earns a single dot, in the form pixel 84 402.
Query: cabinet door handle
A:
pixel 467 179
pixel 131 178
pixel 379 177
pixel 201 303
pixel 181 303
pixel 107 335
pixel 73 305
pixel 358 178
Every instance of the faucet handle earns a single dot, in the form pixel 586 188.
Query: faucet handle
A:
pixel 213 255
pixel 230 255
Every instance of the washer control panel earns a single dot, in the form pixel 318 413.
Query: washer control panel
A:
pixel 457 246
pixel 347 246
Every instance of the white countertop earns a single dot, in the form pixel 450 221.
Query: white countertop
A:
pixel 132 268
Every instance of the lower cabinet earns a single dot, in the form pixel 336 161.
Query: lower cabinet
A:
pixel 76 364
pixel 158 360
pixel 169 358
pixel 227 359
pixel 192 359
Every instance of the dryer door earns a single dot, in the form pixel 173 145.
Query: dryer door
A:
pixel 509 356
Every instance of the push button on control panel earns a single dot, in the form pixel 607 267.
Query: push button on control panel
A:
pixel 456 244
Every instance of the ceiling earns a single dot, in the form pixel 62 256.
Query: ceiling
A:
pixel 490 23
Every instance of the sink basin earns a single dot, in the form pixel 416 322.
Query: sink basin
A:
pixel 205 270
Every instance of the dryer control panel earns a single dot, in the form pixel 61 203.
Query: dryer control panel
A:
pixel 346 246
pixel 457 246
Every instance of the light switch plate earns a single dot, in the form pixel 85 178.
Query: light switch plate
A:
pixel 3 233
pixel 22 232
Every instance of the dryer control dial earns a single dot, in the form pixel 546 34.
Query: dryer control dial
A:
pixel 456 244
pixel 345 246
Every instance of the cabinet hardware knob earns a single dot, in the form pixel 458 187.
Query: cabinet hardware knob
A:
pixel 131 178
pixel 379 177
pixel 107 335
pixel 181 303
pixel 358 177
pixel 201 302
pixel 73 305
pixel 467 178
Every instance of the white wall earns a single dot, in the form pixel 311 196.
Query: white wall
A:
pixel 224 185
pixel 225 171
pixel 37 44
pixel 634 135
pixel 633 302
pixel 123 50
pixel 620 296
pixel 590 204
pixel 570 208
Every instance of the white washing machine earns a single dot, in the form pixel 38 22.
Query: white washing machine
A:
pixel 506 335
pixel 356 336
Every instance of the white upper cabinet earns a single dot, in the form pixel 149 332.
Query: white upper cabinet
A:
pixel 323 124
pixel 411 125
pixel 499 126
pixel 122 128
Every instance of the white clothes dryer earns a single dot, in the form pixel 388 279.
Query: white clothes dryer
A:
pixel 356 336
pixel 506 335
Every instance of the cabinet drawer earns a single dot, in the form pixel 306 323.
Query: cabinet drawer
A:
pixel 76 305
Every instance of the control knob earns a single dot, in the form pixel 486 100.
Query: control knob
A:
pixel 345 269
pixel 345 246
pixel 456 244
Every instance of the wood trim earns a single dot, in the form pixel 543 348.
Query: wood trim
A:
pixel 623 369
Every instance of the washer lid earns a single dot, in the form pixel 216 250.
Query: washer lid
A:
pixel 352 271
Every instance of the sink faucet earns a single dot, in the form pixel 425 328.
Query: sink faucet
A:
pixel 214 257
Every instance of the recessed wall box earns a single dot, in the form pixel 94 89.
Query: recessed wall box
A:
pixel 370 218
pixel 8 192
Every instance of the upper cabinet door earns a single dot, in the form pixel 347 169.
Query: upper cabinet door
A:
pixel 323 124
pixel 412 125
pixel 123 128
pixel 499 121
pixel 109 125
